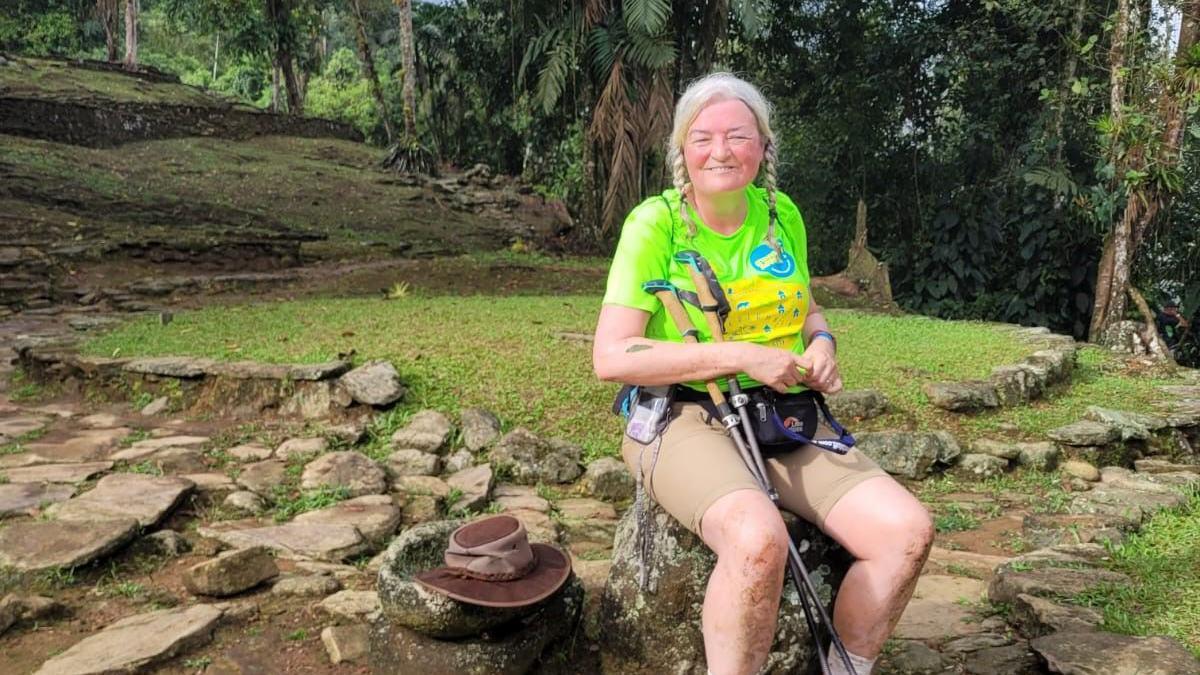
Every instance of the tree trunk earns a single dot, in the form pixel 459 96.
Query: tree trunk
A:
pixel 131 36
pixel 368 65
pixel 216 54
pixel 279 15
pixel 1109 295
pixel 274 88
pixel 106 14
pixel 409 55
pixel 1141 207
pixel 1158 347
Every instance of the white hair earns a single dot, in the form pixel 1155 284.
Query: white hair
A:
pixel 699 94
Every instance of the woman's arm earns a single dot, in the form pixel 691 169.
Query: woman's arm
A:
pixel 820 355
pixel 622 353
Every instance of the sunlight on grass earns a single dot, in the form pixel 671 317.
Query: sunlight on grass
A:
pixel 506 354
pixel 1164 562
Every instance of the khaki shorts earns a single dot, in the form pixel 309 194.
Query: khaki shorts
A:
pixel 698 464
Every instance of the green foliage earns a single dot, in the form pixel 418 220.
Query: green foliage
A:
pixel 340 93
pixel 289 504
pixel 1164 563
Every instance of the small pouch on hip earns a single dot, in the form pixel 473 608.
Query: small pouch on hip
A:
pixel 647 410
pixel 784 421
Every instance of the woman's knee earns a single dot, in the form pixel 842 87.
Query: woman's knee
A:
pixel 883 521
pixel 746 526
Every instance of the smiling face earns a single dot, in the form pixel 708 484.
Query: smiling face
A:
pixel 723 148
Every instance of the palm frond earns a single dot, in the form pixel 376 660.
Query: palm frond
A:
pixel 650 51
pixel 602 51
pixel 594 12
pixel 552 80
pixel 658 107
pixel 612 106
pixel 646 16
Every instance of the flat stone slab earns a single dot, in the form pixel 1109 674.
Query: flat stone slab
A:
pixel 135 643
pixel 43 545
pixel 149 446
pixel 84 446
pixel 262 477
pixel 127 495
pixel 937 609
pixel 171 366
pixel 56 473
pixel 1051 582
pixel 375 516
pixel 1083 653
pixel 1085 432
pixel 13 427
pixel 318 371
pixel 22 497
pixel 318 541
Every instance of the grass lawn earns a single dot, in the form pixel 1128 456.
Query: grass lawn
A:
pixel 1164 561
pixel 508 354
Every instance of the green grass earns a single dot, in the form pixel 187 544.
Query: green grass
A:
pixel 1164 561
pixel 505 354
pixel 954 518
pixel 290 504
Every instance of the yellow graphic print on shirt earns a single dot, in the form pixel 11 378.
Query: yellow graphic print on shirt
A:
pixel 765 310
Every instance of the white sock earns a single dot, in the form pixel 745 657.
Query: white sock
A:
pixel 862 665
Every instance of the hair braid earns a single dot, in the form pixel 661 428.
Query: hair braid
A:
pixel 770 156
pixel 679 177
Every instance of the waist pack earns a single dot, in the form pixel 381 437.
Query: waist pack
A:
pixel 783 422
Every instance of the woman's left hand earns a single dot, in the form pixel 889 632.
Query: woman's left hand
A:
pixel 821 363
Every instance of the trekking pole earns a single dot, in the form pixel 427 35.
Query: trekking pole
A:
pixel 808 593
pixel 668 294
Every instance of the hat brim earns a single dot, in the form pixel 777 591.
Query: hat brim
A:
pixel 550 572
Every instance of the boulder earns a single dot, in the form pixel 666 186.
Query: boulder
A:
pixel 1132 426
pixel 411 462
pixel 909 454
pixel 512 649
pixel 428 430
pixel 156 407
pixel 609 478
pixel 1081 469
pixel 995 448
pixel 657 629
pixel 1049 582
pixel 263 477
pixel 980 466
pixel 166 543
pixel 1085 432
pixel 356 472
pixel 1095 652
pixel 250 452
pixel 299 447
pixel 1007 660
pixel 246 502
pixel 1038 456
pixel 962 396
pixel 474 486
pixel 910 657
pixel 136 643
pixel 346 643
pixel 1038 616
pixel 373 383
pixel 480 428
pixel 352 605
pixel 533 460
pixel 306 586
pixel 457 461
pixel 860 404
pixel 1018 384
pixel 231 572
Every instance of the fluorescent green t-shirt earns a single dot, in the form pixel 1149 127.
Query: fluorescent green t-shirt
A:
pixel 768 297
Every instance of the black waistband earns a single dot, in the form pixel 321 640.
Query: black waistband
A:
pixel 687 394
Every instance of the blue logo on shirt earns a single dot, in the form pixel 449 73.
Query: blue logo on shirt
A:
pixel 764 259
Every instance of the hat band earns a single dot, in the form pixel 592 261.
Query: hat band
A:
pixel 494 576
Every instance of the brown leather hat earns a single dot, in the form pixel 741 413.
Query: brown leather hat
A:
pixel 490 562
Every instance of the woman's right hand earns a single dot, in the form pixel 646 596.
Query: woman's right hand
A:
pixel 778 369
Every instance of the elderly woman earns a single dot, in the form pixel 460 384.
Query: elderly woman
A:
pixel 754 239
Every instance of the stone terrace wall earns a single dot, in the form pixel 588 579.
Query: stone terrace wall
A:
pixel 109 124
